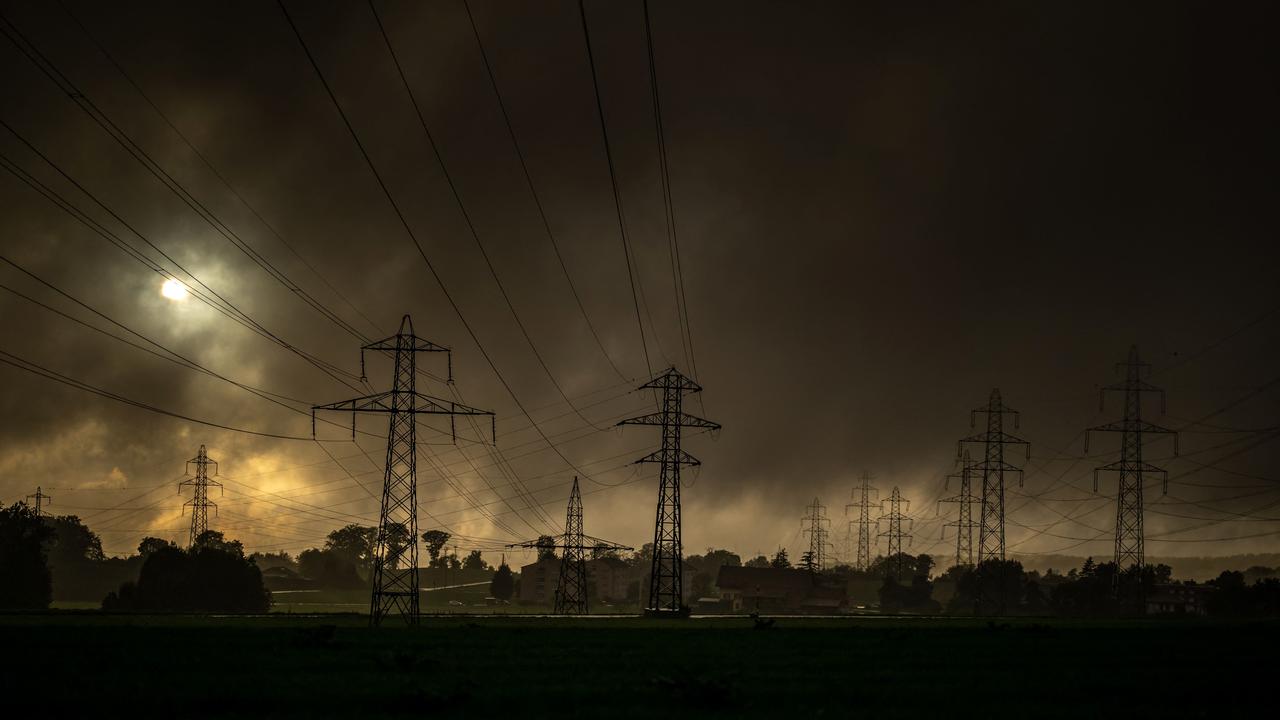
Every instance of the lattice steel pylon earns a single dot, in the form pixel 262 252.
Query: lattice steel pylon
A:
pixel 965 500
pixel 666 581
pixel 571 585
pixel 395 558
pixel 815 524
pixel 862 493
pixel 200 502
pixel 993 467
pixel 1131 467
pixel 895 517
pixel 40 500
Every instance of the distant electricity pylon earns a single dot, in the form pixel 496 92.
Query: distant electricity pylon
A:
pixel 41 499
pixel 1131 467
pixel 666 581
pixel 571 586
pixel 993 467
pixel 895 533
pixel 200 502
pixel 965 524
pixel 395 557
pixel 815 524
pixel 862 493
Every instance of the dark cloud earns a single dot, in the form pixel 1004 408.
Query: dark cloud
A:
pixel 885 211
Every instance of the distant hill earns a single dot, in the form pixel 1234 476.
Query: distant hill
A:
pixel 1184 568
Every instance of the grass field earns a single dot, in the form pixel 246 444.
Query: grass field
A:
pixel 79 664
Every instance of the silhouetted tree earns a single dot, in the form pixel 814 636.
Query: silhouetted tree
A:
pixel 435 541
pixel 474 561
pixel 355 543
pixel 25 580
pixel 214 576
pixel 149 545
pixel 214 540
pixel 73 543
pixel 808 561
pixel 780 559
pixel 758 561
pixel 329 568
pixel 503 585
pixel 267 561
pixel 546 547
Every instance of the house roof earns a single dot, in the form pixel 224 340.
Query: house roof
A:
pixel 764 581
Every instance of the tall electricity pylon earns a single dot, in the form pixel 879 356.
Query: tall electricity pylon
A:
pixel 40 501
pixel 894 534
pixel 200 502
pixel 571 585
pixel 993 467
pixel 666 581
pixel 862 493
pixel 1131 467
pixel 815 524
pixel 395 557
pixel 964 525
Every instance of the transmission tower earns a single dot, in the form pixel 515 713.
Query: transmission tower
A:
pixel 395 558
pixel 815 525
pixel 965 500
pixel 571 586
pixel 199 502
pixel 862 493
pixel 40 501
pixel 993 467
pixel 665 583
pixel 1131 467
pixel 894 534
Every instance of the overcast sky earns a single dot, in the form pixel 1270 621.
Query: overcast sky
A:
pixel 884 211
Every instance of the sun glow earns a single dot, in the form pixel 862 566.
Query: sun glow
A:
pixel 173 290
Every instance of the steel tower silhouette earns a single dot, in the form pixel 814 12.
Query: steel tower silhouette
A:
pixel 41 499
pixel 815 525
pixel 964 525
pixel 993 467
pixel 894 534
pixel 863 493
pixel 1131 467
pixel 395 558
pixel 200 502
pixel 666 581
pixel 571 585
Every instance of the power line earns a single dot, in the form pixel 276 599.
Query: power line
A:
pixel 613 181
pixel 404 222
pixel 40 370
pixel 209 164
pixel 222 305
pixel 27 48
pixel 537 200
pixel 673 241
pixel 466 216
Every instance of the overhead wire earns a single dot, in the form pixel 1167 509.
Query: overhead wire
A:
pixel 537 200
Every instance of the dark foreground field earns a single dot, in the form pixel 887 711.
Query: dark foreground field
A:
pixel 91 665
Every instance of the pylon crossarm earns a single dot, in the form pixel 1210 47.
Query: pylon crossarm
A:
pixel 672 379
pixel 680 457
pixel 382 402
pixel 418 345
pixel 595 543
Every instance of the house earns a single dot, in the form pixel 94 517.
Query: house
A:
pixel 748 589
pixel 1178 599
pixel 608 579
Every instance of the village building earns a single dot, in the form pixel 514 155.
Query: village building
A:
pixel 607 578
pixel 750 589
pixel 1178 599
